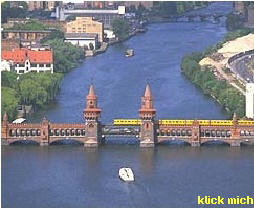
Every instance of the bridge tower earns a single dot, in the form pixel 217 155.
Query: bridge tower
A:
pixel 44 141
pixel 147 115
pixel 195 139
pixel 4 133
pixel 92 115
pixel 235 133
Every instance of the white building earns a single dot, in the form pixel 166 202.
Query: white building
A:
pixel 82 39
pixel 249 100
pixel 24 60
pixel 105 15
pixel 5 65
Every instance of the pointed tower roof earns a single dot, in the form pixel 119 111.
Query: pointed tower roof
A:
pixel 5 117
pixel 148 91
pixel 234 116
pixel 91 91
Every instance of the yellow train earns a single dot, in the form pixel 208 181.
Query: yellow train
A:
pixel 137 122
pixel 201 122
pixel 127 122
pixel 246 122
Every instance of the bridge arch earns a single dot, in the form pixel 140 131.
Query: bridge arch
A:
pixel 24 142
pixel 174 141
pixel 67 141
pixel 215 141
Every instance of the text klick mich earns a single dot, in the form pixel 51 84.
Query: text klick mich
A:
pixel 220 200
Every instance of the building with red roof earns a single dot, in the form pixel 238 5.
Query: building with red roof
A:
pixel 25 60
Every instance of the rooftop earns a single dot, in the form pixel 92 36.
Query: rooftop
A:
pixel 81 35
pixel 31 31
pixel 21 55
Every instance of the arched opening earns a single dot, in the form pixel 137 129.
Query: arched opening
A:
pixel 215 142
pixel 121 141
pixel 174 142
pixel 25 142
pixel 66 142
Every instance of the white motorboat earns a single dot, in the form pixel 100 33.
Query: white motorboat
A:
pixel 129 53
pixel 126 174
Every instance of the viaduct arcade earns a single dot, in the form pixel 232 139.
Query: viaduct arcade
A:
pixel 149 131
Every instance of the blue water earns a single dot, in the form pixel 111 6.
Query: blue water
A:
pixel 166 176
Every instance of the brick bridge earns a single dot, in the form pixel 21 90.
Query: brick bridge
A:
pixel 149 131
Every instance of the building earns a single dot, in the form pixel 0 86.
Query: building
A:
pixel 105 16
pixel 136 4
pixel 239 6
pixel 249 18
pixel 82 39
pixel 24 60
pixel 93 5
pixel 26 35
pixel 12 22
pixel 45 5
pixel 86 25
pixel 9 44
pixel 249 100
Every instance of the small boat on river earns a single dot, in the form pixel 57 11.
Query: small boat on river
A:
pixel 129 53
pixel 126 174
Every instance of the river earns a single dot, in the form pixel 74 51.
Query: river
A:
pixel 166 176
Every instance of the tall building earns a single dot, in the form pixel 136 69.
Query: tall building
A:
pixel 249 100
pixel 86 25
pixel 146 4
pixel 239 6
pixel 45 5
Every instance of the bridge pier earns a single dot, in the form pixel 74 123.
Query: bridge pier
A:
pixel 235 144
pixel 195 144
pixel 146 143
pixel 4 142
pixel 91 143
pixel 44 143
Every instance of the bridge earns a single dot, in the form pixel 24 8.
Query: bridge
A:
pixel 214 17
pixel 147 129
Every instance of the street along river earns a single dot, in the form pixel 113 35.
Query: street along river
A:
pixel 166 176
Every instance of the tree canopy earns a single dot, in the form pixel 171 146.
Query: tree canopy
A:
pixel 121 28
pixel 13 12
pixel 66 55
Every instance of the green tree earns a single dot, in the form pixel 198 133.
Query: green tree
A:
pixel 121 28
pixel 91 46
pixel 12 12
pixel 9 102
pixel 9 79
pixel 65 55
pixel 31 25
pixel 234 21
pixel 55 34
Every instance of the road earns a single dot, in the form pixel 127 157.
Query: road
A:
pixel 240 68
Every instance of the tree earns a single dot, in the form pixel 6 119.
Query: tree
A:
pixel 55 34
pixel 120 28
pixel 91 46
pixel 65 55
pixel 31 25
pixel 234 21
pixel 12 12
pixel 70 18
pixel 9 79
pixel 9 102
